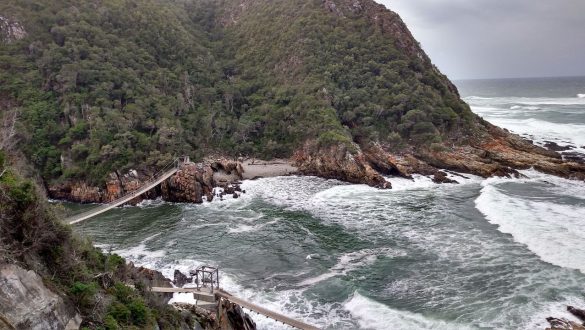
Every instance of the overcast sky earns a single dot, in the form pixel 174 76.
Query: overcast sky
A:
pixel 499 38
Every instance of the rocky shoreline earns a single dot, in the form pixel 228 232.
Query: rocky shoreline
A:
pixel 497 153
pixel 564 324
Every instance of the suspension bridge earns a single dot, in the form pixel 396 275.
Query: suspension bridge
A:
pixel 211 298
pixel 209 295
pixel 166 172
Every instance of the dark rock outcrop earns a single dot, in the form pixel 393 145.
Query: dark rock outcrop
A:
pixel 495 153
pixel 180 279
pixel 232 317
pixel 562 324
pixel 579 313
pixel 190 184
pixel 337 162
pixel 228 317
pixel 148 278
pixel 555 147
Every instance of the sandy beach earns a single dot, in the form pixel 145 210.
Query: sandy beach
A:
pixel 254 168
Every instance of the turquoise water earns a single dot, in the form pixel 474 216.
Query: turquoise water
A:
pixel 350 256
pixel 483 254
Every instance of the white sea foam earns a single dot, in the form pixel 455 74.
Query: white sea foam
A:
pixel 534 101
pixel 563 134
pixel 417 182
pixel 244 228
pixel 151 202
pixel 353 261
pixel 581 96
pixel 551 230
pixel 536 319
pixel 375 315
pixel 520 107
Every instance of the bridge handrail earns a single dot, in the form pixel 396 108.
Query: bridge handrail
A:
pixel 266 312
pixel 171 166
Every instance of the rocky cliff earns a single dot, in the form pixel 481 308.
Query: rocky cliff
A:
pixel 53 279
pixel 192 183
pixel 26 303
pixel 345 91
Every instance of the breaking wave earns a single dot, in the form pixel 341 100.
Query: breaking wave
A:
pixel 549 227
pixel 375 315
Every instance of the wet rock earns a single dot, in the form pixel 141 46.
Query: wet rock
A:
pixel 180 279
pixel 229 190
pixel 579 313
pixel 337 162
pixel 441 177
pixel 235 195
pixel 573 156
pixel 562 324
pixel 555 147
pixel 232 317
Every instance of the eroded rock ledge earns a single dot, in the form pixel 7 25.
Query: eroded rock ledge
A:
pixel 192 183
pixel 498 153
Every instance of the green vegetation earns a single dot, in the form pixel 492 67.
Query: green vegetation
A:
pixel 95 283
pixel 103 87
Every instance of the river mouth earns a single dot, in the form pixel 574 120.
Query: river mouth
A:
pixel 341 256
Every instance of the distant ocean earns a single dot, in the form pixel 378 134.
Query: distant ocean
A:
pixel 483 254
pixel 541 109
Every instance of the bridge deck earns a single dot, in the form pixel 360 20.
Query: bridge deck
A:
pixel 266 312
pixel 219 293
pixel 124 199
pixel 203 295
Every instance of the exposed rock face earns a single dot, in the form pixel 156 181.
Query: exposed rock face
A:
pixel 562 324
pixel 189 184
pixel 25 302
pixel 149 278
pixel 229 317
pixel 232 317
pixel 579 313
pixel 497 153
pixel 502 154
pixel 11 30
pixel 180 279
pixel 337 162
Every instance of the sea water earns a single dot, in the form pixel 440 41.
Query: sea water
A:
pixel 481 254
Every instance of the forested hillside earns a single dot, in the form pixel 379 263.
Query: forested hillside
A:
pixel 119 84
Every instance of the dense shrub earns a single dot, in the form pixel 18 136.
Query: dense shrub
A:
pixel 102 88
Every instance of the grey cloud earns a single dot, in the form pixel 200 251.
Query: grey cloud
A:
pixel 499 38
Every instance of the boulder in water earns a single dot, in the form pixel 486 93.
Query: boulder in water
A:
pixel 553 146
pixel 579 313
pixel 562 324
pixel 441 177
pixel 180 279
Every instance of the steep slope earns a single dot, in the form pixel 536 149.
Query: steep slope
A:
pixel 52 278
pixel 341 86
pixel 373 97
